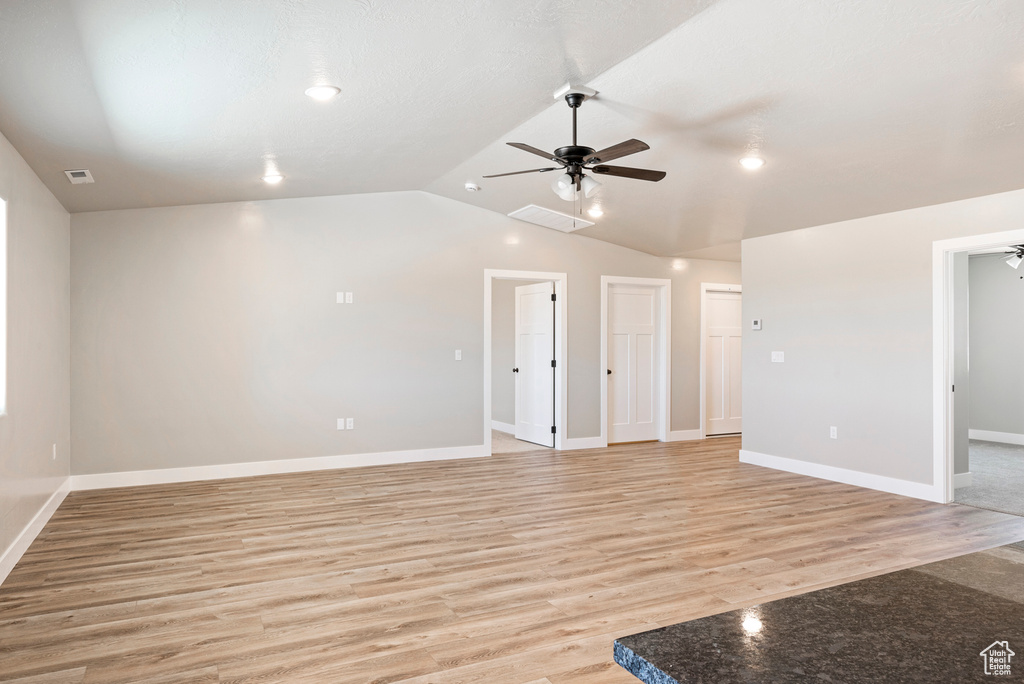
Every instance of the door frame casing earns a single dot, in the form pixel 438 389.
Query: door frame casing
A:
pixel 705 288
pixel 561 281
pixel 943 349
pixel 663 368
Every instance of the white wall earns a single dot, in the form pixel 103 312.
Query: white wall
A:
pixel 997 346
pixel 210 334
pixel 38 357
pixel 850 304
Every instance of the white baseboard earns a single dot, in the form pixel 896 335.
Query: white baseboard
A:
pixel 882 483
pixel 503 427
pixel 1002 437
pixel 296 465
pixel 961 480
pixel 683 435
pixel 583 443
pixel 19 546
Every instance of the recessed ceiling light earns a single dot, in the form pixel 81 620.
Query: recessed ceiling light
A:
pixel 596 212
pixel 322 92
pixel 472 187
pixel 273 178
pixel 752 163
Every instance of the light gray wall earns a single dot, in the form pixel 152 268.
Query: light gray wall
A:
pixel 850 304
pixel 210 334
pixel 503 349
pixel 38 347
pixel 961 364
pixel 997 346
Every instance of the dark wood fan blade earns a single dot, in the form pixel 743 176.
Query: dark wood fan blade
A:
pixel 516 173
pixel 533 150
pixel 631 146
pixel 627 172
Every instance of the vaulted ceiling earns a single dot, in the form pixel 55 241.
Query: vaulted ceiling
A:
pixel 859 108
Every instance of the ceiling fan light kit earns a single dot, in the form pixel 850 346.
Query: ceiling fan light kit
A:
pixel 574 160
pixel 1016 257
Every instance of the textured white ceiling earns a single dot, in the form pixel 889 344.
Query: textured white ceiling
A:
pixel 187 101
pixel 859 107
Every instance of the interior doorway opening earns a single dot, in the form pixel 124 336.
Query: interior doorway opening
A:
pixel 988 380
pixel 524 350
pixel 951 379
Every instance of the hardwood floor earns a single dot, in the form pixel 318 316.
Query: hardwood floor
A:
pixel 513 569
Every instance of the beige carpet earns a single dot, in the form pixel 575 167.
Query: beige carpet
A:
pixel 997 480
pixel 504 443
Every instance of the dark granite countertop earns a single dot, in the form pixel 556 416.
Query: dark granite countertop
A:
pixel 927 624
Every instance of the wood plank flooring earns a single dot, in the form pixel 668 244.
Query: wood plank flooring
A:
pixel 520 568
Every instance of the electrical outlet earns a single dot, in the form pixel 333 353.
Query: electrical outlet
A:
pixel 350 424
pixel 778 357
pixel 833 432
pixel 54 452
pixel 348 297
pixel 341 423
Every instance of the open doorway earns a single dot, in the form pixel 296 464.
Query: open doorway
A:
pixel 524 348
pixel 988 396
pixel 978 391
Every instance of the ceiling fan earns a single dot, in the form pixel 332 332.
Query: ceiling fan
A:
pixel 574 160
pixel 1016 256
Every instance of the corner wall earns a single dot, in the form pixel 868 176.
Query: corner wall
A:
pixel 32 482
pixel 209 335
pixel 850 305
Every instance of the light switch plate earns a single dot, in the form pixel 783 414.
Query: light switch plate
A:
pixel 458 354
pixel 833 432
pixel 778 357
pixel 341 423
pixel 341 297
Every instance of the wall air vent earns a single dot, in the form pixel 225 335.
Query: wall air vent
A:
pixel 548 218
pixel 77 176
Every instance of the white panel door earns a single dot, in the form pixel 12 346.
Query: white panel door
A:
pixel 632 354
pixel 535 376
pixel 723 403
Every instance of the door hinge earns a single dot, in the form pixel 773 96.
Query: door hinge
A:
pixel 552 429
pixel 552 363
pixel 552 297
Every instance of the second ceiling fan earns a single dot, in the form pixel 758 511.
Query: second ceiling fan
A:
pixel 574 160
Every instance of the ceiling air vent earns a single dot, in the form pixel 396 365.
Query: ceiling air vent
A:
pixel 79 176
pixel 548 218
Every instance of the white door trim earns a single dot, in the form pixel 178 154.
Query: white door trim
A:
pixel 704 289
pixel 942 350
pixel 561 281
pixel 664 362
